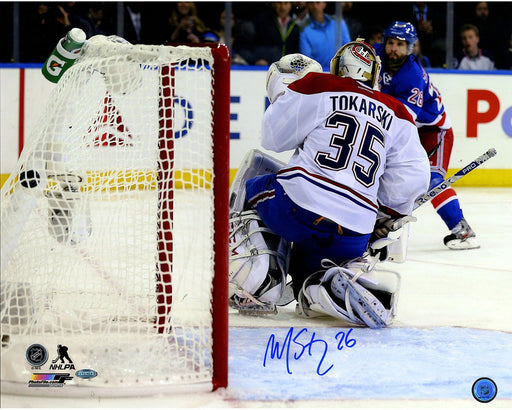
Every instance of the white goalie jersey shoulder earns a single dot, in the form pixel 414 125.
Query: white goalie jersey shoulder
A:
pixel 289 68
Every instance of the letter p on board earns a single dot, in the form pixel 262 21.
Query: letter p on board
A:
pixel 474 116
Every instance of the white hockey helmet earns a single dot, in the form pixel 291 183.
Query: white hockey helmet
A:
pixel 359 61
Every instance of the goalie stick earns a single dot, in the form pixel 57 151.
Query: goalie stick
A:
pixel 491 152
pixel 287 296
pixel 373 254
pixel 442 186
pixel 399 223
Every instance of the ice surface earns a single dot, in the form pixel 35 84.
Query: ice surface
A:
pixel 454 325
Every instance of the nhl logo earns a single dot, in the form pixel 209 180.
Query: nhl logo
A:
pixel 36 355
pixel 361 53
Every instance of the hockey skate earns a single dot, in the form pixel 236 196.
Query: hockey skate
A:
pixel 462 237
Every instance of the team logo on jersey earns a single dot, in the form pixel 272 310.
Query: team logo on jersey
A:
pixel 361 53
pixel 386 78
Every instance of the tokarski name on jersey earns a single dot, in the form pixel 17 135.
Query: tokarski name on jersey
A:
pixel 362 105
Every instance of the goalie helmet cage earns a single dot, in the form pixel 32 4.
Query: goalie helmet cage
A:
pixel 115 228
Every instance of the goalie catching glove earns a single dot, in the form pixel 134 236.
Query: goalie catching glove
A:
pixel 289 68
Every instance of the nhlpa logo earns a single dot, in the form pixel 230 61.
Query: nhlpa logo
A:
pixel 361 53
pixel 62 355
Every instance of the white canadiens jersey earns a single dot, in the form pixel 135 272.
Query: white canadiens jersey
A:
pixel 355 149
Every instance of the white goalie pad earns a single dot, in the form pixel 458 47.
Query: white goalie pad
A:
pixel 254 163
pixel 356 293
pixel 258 263
pixel 258 260
pixel 397 250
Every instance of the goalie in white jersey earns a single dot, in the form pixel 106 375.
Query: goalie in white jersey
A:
pixel 357 154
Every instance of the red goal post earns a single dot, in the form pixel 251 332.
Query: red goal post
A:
pixel 221 118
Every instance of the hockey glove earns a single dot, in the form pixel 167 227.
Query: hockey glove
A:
pixel 289 68
pixel 386 231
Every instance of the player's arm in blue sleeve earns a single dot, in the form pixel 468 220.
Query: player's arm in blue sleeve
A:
pixel 409 89
pixel 379 49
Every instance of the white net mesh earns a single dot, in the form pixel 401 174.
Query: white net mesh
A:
pixel 107 225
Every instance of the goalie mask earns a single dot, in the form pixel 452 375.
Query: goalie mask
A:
pixel 359 61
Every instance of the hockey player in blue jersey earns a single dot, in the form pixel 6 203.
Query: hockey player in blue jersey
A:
pixel 403 77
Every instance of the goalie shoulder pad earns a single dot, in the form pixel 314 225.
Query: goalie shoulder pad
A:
pixel 289 68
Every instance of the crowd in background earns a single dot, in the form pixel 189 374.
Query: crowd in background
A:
pixel 264 31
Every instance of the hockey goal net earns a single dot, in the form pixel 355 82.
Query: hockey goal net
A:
pixel 114 228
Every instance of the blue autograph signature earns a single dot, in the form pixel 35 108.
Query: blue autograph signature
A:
pixel 304 342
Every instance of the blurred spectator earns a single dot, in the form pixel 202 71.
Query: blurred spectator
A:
pixel 491 29
pixel 139 27
pixel 43 25
pixel 184 24
pixel 318 39
pixel 480 18
pixel 423 59
pixel 508 55
pixel 374 35
pixel 219 27
pixel 64 14
pixel 275 35
pixel 300 13
pixel 87 16
pixel 430 22
pixel 355 28
pixel 245 38
pixel 98 20
pixel 471 57
pixel 219 30
pixel 133 23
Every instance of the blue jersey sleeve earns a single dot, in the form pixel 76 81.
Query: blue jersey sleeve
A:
pixel 413 87
pixel 379 49
pixel 408 86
